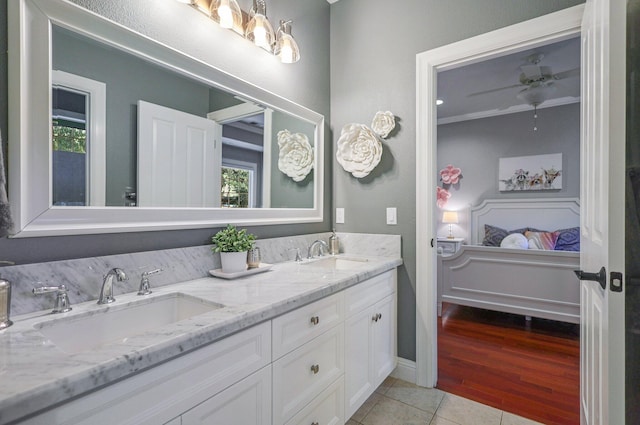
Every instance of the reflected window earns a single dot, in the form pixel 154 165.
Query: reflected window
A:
pixel 69 147
pixel 78 140
pixel 238 188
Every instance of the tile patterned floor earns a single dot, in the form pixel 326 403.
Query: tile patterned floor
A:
pixel 398 402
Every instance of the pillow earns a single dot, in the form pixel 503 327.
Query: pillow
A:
pixel 494 235
pixel 515 240
pixel 568 239
pixel 541 240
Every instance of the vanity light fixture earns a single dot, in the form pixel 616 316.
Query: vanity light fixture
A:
pixel 259 29
pixel 228 14
pixel 450 218
pixel 253 26
pixel 286 47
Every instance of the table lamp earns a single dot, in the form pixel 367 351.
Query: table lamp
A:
pixel 450 218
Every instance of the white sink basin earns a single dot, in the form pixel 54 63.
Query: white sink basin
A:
pixel 337 263
pixel 117 323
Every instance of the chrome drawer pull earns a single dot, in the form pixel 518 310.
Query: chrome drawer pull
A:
pixel 315 369
pixel 315 423
pixel 376 317
pixel 315 320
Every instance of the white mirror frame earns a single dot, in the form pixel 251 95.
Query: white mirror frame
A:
pixel 29 28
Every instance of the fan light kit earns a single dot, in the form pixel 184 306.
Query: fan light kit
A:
pixel 537 83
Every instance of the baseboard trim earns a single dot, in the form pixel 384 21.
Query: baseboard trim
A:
pixel 405 370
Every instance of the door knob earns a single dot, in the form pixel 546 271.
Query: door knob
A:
pixel 600 277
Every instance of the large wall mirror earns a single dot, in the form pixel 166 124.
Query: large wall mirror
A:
pixel 116 132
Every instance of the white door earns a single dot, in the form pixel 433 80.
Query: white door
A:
pixel 602 212
pixel 178 159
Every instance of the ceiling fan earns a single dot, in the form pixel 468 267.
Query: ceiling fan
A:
pixel 537 81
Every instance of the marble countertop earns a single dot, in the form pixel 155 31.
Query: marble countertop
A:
pixel 36 374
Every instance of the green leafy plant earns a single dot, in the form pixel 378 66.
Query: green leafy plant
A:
pixel 231 239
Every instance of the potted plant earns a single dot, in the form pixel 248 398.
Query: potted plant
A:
pixel 233 244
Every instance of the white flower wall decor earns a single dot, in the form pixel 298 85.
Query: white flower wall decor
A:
pixel 383 123
pixel 296 155
pixel 359 149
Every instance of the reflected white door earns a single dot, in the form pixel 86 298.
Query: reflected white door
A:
pixel 178 158
pixel 602 212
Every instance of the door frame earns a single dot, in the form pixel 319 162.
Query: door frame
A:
pixel 543 30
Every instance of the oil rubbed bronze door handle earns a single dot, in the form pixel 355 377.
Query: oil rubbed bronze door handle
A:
pixel 600 277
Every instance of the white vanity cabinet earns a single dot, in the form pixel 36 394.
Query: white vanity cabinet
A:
pixel 370 337
pixel 308 358
pixel 313 365
pixel 163 393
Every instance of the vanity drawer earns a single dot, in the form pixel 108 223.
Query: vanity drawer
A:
pixel 326 409
pixel 293 329
pixel 304 373
pixel 363 295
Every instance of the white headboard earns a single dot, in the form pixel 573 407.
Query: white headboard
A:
pixel 540 213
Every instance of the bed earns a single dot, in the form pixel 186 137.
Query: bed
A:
pixel 533 283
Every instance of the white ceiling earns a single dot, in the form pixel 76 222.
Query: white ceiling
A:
pixel 455 85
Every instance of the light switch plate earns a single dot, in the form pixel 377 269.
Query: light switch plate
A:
pixel 392 215
pixel 339 215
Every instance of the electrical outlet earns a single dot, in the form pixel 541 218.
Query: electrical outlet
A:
pixel 339 215
pixel 392 216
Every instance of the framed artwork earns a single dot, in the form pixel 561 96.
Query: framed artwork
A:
pixel 535 172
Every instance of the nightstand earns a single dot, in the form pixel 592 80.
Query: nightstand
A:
pixel 450 246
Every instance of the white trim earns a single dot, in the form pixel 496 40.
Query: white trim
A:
pixel 240 144
pixel 405 370
pixel 29 135
pixel 512 110
pixel 539 31
pixel 97 124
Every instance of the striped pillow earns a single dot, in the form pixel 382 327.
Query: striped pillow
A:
pixel 541 240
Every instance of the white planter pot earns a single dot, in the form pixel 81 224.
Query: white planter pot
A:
pixel 233 262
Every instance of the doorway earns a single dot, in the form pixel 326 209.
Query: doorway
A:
pixel 557 26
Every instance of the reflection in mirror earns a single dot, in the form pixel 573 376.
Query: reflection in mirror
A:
pixel 58 45
pixel 170 141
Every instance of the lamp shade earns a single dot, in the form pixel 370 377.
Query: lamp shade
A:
pixel 450 217
pixel 286 47
pixel 259 29
pixel 228 14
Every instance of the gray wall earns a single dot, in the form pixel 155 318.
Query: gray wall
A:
pixel 183 28
pixel 475 147
pixel 373 48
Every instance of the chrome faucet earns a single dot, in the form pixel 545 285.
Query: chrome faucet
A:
pixel 145 286
pixel 62 304
pixel 106 292
pixel 323 246
pixel 5 304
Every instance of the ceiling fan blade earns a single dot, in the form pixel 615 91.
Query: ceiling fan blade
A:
pixel 567 74
pixel 495 90
pixel 532 72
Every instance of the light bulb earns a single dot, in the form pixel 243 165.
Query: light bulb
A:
pixel 226 17
pixel 260 37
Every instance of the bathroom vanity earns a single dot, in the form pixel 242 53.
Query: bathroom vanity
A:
pixel 302 343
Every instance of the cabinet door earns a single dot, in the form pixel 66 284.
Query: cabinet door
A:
pixel 358 363
pixel 248 403
pixel 326 409
pixel 384 339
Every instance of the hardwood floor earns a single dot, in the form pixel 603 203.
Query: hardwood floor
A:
pixel 529 368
